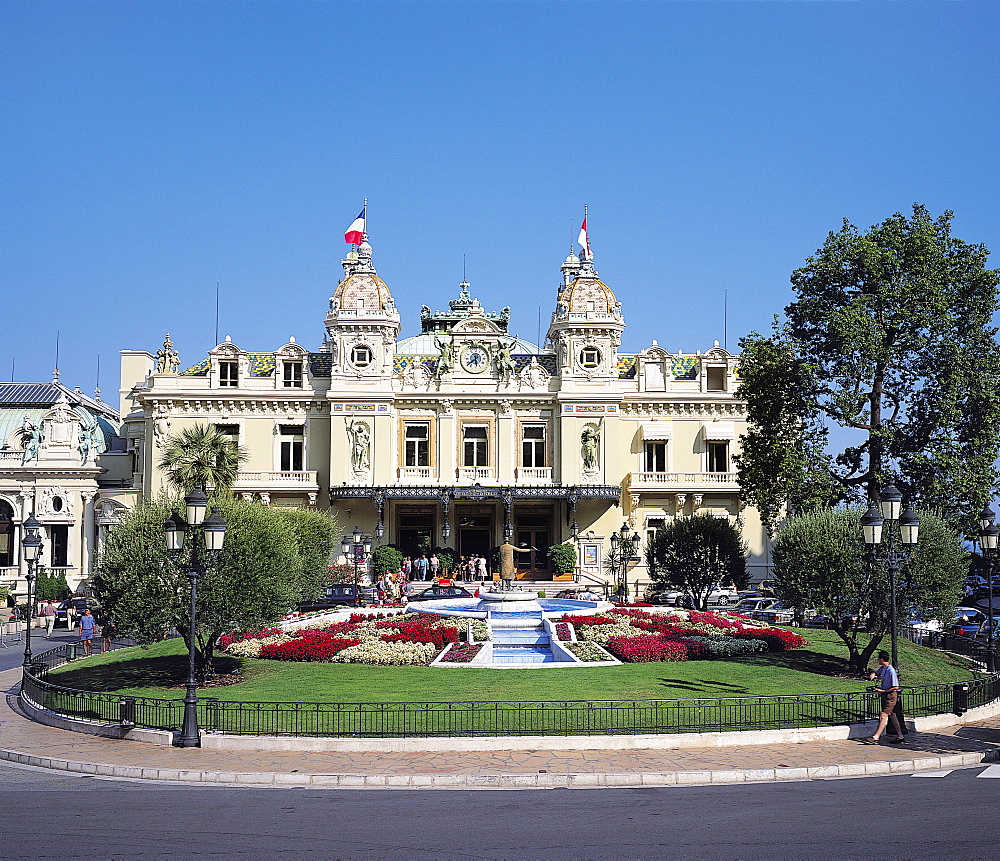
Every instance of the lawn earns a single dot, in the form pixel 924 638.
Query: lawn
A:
pixel 159 671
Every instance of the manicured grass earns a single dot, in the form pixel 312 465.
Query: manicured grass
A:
pixel 159 671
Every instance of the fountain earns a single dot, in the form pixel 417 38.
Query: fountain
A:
pixel 520 625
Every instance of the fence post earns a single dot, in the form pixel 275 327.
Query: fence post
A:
pixel 960 699
pixel 126 712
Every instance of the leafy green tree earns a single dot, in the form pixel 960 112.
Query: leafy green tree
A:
pixel 891 339
pixel 51 584
pixel 782 461
pixel 821 562
pixel 386 559
pixel 201 456
pixel 259 574
pixel 315 538
pixel 693 554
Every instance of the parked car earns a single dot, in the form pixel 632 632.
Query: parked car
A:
pixel 436 593
pixel 747 606
pixel 968 621
pixel 781 613
pixel 78 605
pixel 335 597
pixel 719 596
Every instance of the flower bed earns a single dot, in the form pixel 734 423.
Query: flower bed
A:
pixel 587 651
pixel 384 639
pixel 635 635
pixel 462 654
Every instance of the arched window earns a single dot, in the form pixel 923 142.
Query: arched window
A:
pixel 6 535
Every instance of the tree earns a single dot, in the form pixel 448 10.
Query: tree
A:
pixel 694 554
pixel 260 573
pixel 386 560
pixel 821 562
pixel 890 338
pixel 315 536
pixel 51 585
pixel 201 456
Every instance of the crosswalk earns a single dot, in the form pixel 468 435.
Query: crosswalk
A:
pixel 988 772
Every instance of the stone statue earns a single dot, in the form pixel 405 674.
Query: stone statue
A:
pixel 167 358
pixel 360 439
pixel 86 442
pixel 503 361
pixel 507 565
pixel 161 428
pixel 590 446
pixel 31 440
pixel 446 356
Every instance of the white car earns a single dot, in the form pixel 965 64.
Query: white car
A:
pixel 718 597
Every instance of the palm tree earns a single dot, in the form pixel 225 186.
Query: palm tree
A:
pixel 203 457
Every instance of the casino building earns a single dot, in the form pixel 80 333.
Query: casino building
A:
pixel 461 435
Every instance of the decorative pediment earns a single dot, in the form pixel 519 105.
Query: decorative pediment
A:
pixel 293 351
pixel 478 326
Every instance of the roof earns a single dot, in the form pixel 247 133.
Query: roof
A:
pixel 423 345
pixel 46 394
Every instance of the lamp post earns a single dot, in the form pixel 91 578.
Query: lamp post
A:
pixel 622 549
pixel 358 548
pixel 209 532
pixel 31 546
pixel 899 548
pixel 988 535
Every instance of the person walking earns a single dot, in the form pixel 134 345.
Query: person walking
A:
pixel 49 613
pixel 435 565
pixel 420 567
pixel 889 689
pixel 87 625
pixel 481 573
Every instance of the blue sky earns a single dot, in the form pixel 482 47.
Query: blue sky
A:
pixel 153 149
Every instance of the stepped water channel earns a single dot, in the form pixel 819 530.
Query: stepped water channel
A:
pixel 518 623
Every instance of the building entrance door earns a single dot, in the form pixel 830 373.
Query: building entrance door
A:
pixel 534 565
pixel 475 528
pixel 416 530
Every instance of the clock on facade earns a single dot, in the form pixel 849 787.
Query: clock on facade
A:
pixel 475 359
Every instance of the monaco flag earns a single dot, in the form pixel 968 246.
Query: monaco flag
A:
pixel 356 232
pixel 583 241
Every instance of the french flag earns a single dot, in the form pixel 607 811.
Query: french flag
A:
pixel 356 232
pixel 583 241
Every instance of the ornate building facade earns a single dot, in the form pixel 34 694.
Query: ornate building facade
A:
pixel 463 434
pixel 58 449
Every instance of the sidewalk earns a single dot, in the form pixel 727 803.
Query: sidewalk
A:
pixel 23 741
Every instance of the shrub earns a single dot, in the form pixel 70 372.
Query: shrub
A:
pixel 724 647
pixel 777 639
pixel 387 560
pixel 563 558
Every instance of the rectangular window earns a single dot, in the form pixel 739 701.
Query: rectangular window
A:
pixel 229 373
pixel 533 445
pixel 416 449
pixel 293 375
pixel 60 545
pixel 476 446
pixel 655 457
pixel 292 446
pixel 230 431
pixel 718 457
pixel 652 524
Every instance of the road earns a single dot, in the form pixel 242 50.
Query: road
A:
pixel 952 815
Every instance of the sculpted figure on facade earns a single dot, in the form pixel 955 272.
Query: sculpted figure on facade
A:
pixel 161 427
pixel 31 440
pixel 360 446
pixel 590 447
pixel 446 356
pixel 167 358
pixel 503 361
pixel 86 442
pixel 534 375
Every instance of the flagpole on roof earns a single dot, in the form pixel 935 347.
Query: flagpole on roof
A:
pixel 364 226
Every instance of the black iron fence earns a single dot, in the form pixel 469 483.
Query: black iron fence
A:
pixel 457 719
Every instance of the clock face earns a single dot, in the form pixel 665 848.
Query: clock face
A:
pixel 475 359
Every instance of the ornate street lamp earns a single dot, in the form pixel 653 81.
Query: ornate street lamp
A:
pixel 988 535
pixel 31 547
pixel 622 549
pixel 900 547
pixel 208 534
pixel 358 548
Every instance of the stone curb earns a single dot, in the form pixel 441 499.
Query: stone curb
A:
pixel 569 780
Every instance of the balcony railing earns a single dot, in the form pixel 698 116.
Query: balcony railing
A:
pixel 300 478
pixel 683 479
pixel 416 474
pixel 473 474
pixel 534 474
